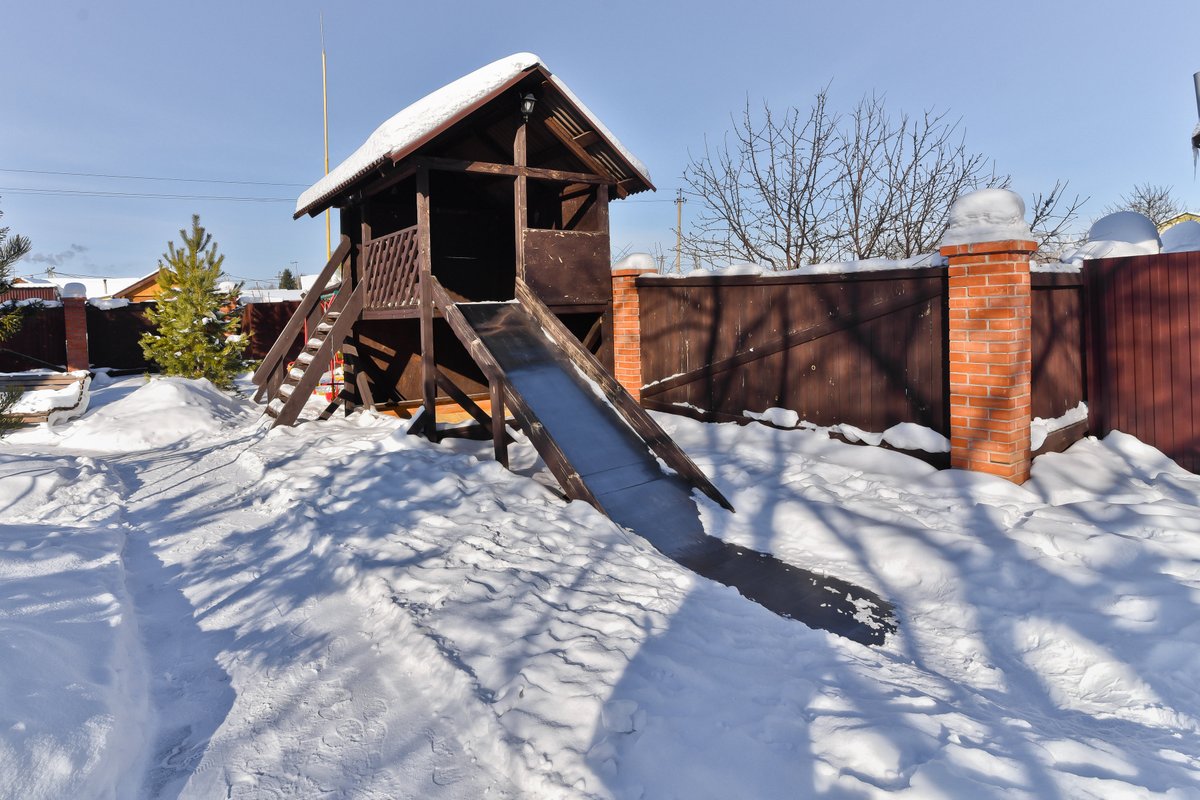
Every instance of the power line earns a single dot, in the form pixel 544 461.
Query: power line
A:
pixel 140 195
pixel 149 178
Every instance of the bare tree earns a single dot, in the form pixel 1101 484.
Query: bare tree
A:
pixel 809 185
pixel 899 177
pixel 1155 202
pixel 1052 216
pixel 767 192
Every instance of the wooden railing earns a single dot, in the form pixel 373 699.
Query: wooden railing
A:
pixel 270 373
pixel 391 270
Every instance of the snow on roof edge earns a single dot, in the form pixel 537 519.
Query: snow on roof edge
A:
pixel 422 117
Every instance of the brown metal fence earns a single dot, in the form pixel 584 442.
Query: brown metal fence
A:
pixel 114 334
pixel 863 348
pixel 39 343
pixel 1143 320
pixel 1058 343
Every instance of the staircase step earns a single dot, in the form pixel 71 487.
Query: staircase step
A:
pixel 296 373
pixel 304 358
pixel 286 390
pixel 274 407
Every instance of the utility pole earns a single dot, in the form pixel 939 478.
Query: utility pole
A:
pixel 679 201
pixel 325 119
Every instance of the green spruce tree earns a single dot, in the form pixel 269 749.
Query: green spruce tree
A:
pixel 10 318
pixel 287 280
pixel 196 325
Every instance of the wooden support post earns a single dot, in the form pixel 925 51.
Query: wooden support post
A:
pixel 520 199
pixel 499 435
pixel 428 360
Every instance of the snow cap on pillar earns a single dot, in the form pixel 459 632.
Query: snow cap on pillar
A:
pixel 74 290
pixel 987 215
pixel 639 262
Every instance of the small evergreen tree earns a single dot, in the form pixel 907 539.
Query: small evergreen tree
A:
pixel 11 251
pixel 287 280
pixel 196 324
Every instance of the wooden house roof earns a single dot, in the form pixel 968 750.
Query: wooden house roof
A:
pixel 568 119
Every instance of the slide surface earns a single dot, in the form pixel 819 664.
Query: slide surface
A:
pixel 620 470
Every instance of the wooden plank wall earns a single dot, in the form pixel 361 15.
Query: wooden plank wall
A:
pixel 1143 351
pixel 873 373
pixel 41 339
pixel 1058 360
pixel 114 334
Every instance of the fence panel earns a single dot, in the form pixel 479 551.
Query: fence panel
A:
pixel 1058 343
pixel 39 342
pixel 114 336
pixel 863 348
pixel 1143 351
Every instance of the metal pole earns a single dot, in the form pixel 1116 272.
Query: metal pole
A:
pixel 325 117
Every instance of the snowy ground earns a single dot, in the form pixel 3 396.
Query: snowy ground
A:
pixel 192 606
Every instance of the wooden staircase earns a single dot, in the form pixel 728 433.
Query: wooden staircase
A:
pixel 290 387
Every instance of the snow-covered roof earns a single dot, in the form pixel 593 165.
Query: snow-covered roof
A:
pixel 414 124
pixel 97 286
pixel 270 295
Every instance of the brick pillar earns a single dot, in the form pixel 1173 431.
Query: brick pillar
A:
pixel 990 351
pixel 627 337
pixel 74 300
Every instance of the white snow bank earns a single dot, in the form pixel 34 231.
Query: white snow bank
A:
pixel 824 268
pixel 1040 428
pixel 1055 266
pixel 1182 237
pixel 427 114
pixel 639 261
pixel 108 303
pixel 987 215
pixel 902 436
pixel 340 609
pixel 73 693
pixel 164 412
pixel 1124 233
pixel 71 400
pixel 35 302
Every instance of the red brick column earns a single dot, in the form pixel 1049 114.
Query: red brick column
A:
pixel 627 336
pixel 75 319
pixel 990 350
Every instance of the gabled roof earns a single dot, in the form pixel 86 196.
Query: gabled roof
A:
pixel 140 285
pixel 420 122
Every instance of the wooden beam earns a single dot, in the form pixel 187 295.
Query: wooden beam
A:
pixel 428 357
pixel 464 401
pixel 488 168
pixel 520 197
pixel 586 138
pixel 499 434
pixel 593 334
pixel 385 183
pixel 586 158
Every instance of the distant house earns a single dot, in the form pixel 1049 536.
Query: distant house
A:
pixel 143 289
pixel 1186 216
pixel 98 287
pixel 31 289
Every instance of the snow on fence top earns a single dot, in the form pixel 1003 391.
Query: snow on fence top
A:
pixel 425 115
pixel 987 215
pixel 829 268
pixel 1124 233
pixel 1181 237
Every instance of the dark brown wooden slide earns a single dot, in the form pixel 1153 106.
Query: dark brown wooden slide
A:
pixel 606 450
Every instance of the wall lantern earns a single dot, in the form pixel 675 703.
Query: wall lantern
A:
pixel 528 101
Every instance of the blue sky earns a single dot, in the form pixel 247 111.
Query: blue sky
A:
pixel 231 91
